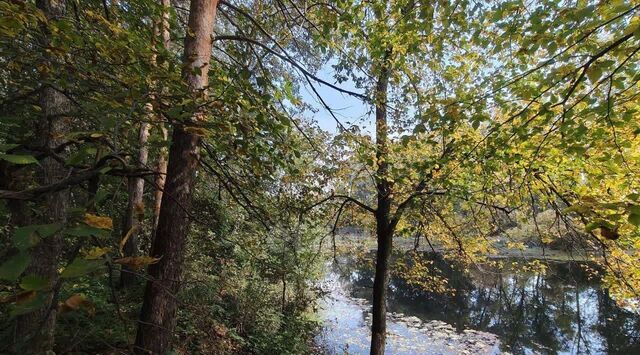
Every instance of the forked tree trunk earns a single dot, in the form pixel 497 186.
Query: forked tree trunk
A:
pixel 158 315
pixel 384 229
pixel 34 333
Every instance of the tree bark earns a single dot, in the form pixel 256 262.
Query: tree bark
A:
pixel 158 315
pixel 161 166
pixel 384 229
pixel 135 207
pixel 34 333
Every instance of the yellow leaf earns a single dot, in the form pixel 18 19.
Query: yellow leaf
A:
pixel 98 221
pixel 137 262
pixel 76 302
pixel 96 253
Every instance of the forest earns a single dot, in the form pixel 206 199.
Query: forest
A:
pixel 319 177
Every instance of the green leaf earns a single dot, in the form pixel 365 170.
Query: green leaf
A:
pixel 34 283
pixel 5 147
pixel 634 219
pixel 29 305
pixel 29 236
pixel 80 267
pixel 47 230
pixel 14 266
pixel 19 159
pixel 84 230
pixel 634 209
pixel 593 225
pixel 81 155
pixel 594 73
pixel 25 237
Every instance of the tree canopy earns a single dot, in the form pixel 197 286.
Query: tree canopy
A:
pixel 175 144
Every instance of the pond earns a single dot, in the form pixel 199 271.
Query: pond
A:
pixel 492 310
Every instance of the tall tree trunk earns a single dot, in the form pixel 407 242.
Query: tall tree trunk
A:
pixel 158 315
pixel 34 331
pixel 384 230
pixel 161 167
pixel 132 224
pixel 133 221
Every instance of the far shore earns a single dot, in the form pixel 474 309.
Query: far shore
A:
pixel 360 241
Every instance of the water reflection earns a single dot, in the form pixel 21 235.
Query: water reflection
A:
pixel 561 311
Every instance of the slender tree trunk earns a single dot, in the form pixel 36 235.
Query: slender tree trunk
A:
pixel 35 330
pixel 161 166
pixel 161 169
pixel 384 229
pixel 158 315
pixel 135 207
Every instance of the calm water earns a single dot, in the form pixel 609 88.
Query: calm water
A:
pixel 563 311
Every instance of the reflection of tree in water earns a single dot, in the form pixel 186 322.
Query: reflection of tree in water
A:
pixel 562 310
pixel 620 329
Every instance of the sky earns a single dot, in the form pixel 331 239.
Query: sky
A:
pixel 348 109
